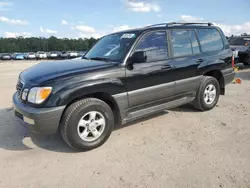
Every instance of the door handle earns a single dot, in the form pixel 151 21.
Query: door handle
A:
pixel 200 60
pixel 167 67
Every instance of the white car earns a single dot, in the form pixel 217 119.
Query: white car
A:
pixel 54 55
pixel 41 55
pixel 73 54
pixel 31 55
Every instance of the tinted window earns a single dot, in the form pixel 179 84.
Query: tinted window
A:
pixel 194 42
pixel 210 40
pixel 155 45
pixel 184 43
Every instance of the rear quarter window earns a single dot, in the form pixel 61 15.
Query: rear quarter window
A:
pixel 210 40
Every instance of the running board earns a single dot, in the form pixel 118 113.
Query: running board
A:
pixel 154 109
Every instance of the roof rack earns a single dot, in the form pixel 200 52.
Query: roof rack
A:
pixel 180 23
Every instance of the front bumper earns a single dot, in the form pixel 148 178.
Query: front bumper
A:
pixel 38 120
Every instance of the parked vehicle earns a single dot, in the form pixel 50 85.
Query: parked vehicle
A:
pixel 68 55
pixel 54 55
pixel 125 76
pixel 64 55
pixel 241 49
pixel 81 54
pixel 31 55
pixel 18 56
pixel 41 55
pixel 73 54
pixel 6 56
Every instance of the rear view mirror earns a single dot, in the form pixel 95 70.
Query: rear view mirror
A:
pixel 138 57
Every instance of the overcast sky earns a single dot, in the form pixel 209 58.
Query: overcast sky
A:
pixel 94 18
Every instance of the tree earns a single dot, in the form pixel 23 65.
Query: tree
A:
pixel 34 44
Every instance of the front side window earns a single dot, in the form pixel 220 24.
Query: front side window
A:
pixel 210 40
pixel 112 47
pixel 155 45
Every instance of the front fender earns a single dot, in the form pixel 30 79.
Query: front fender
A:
pixel 78 90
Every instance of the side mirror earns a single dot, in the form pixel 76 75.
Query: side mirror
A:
pixel 138 57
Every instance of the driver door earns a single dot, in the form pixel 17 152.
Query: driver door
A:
pixel 152 81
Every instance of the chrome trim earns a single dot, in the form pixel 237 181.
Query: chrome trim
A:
pixel 150 88
pixel 19 87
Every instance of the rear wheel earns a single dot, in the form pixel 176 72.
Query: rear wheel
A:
pixel 87 124
pixel 208 94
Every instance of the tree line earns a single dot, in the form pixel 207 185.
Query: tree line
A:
pixel 233 36
pixel 34 44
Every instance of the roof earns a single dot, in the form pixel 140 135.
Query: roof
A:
pixel 170 25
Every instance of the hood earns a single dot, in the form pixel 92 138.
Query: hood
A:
pixel 49 70
pixel 240 48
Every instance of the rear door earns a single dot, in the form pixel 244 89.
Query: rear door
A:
pixel 217 51
pixel 187 58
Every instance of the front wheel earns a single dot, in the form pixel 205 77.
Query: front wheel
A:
pixel 208 94
pixel 87 124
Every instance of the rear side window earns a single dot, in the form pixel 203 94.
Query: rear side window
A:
pixel 194 42
pixel 184 43
pixel 155 45
pixel 210 40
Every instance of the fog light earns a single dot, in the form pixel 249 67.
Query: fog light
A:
pixel 28 120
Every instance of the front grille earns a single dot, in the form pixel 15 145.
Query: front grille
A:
pixel 19 115
pixel 19 87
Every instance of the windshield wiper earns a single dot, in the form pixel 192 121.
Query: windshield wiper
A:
pixel 100 59
pixel 83 57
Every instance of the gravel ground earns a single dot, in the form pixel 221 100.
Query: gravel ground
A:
pixel 178 148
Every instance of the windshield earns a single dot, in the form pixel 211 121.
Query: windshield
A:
pixel 112 47
pixel 240 41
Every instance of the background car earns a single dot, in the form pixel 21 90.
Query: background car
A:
pixel 241 49
pixel 54 55
pixel 6 56
pixel 81 53
pixel 64 55
pixel 41 55
pixel 68 55
pixel 73 54
pixel 31 55
pixel 18 56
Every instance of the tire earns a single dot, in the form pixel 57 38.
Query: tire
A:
pixel 200 102
pixel 70 129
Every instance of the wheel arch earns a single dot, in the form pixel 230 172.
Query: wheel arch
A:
pixel 104 96
pixel 217 74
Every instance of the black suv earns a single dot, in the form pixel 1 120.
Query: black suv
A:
pixel 125 76
pixel 241 49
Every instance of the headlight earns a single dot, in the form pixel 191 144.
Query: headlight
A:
pixel 39 94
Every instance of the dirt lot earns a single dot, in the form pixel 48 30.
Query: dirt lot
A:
pixel 179 148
